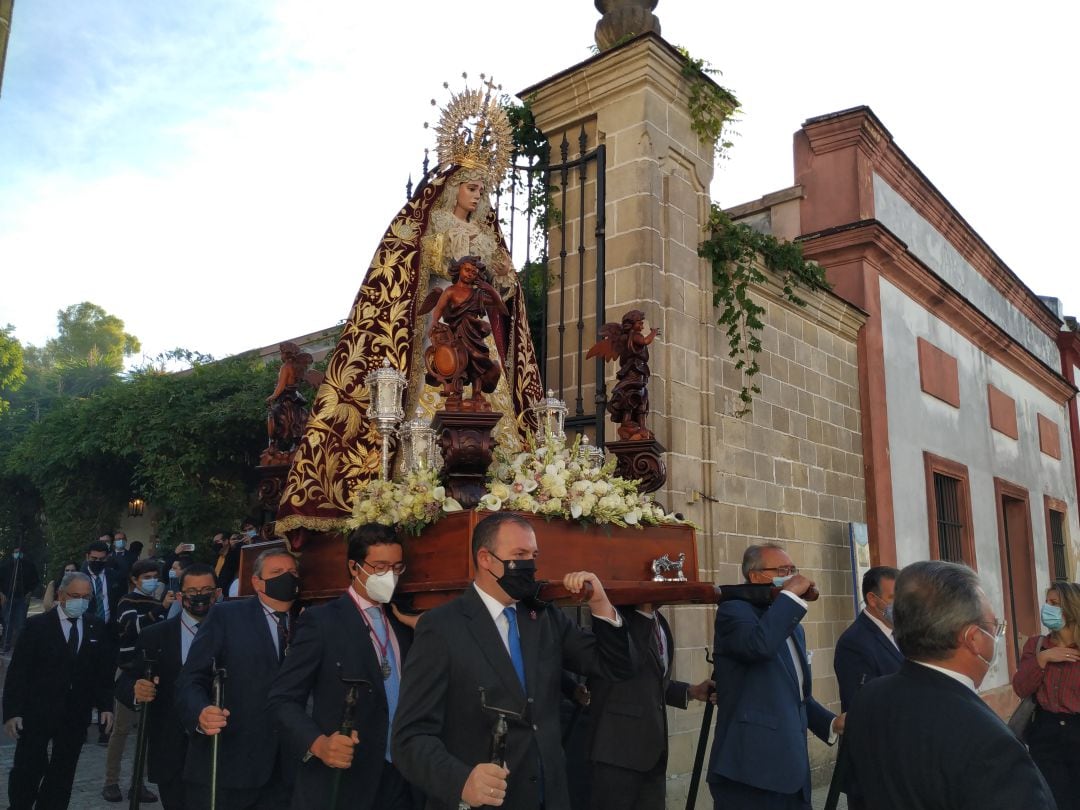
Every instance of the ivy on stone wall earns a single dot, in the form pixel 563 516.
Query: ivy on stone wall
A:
pixel 712 107
pixel 735 251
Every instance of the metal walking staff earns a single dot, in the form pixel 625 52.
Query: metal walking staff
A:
pixel 348 725
pixel 219 675
pixel 135 792
pixel 702 746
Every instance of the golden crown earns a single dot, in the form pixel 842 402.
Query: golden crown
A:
pixel 474 132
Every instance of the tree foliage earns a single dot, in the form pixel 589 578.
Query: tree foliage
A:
pixel 80 439
pixel 88 336
pixel 11 364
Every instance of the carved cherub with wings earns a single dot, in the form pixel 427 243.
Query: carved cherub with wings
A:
pixel 629 402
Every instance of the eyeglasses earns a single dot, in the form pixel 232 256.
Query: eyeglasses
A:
pixel 382 568
pixel 190 593
pixel 783 570
pixel 997 627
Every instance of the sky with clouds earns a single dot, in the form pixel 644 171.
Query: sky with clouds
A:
pixel 217 174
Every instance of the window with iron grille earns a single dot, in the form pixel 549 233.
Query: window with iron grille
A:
pixel 948 492
pixel 1058 569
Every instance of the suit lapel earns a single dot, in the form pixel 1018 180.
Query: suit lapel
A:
pixel 529 628
pixel 486 634
pixel 876 633
pixel 364 662
pixel 262 623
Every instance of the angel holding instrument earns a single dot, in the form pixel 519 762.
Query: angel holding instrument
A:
pixel 629 401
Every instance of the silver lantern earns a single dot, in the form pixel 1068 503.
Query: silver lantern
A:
pixel 418 444
pixel 589 455
pixel 550 418
pixel 385 386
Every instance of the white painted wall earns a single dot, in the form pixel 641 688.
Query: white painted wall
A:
pixel 937 253
pixel 919 422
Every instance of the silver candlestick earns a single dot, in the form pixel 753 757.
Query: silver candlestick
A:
pixel 385 386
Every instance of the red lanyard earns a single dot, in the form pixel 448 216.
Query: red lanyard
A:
pixel 383 648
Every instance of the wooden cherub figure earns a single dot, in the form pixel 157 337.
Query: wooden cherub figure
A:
pixel 459 354
pixel 288 413
pixel 629 401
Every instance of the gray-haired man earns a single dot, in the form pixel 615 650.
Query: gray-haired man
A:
pixel 62 668
pixel 922 738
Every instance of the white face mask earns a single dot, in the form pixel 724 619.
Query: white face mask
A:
pixel 993 655
pixel 380 587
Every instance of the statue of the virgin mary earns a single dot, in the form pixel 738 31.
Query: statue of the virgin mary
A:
pixel 448 217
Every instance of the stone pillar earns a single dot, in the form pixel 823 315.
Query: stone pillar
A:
pixel 633 99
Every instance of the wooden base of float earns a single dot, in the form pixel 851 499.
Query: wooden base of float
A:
pixel 440 562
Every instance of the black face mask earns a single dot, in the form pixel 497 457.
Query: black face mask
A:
pixel 96 566
pixel 518 579
pixel 284 587
pixel 198 606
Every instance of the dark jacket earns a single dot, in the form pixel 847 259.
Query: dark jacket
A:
pixel 115 588
pixel 761 717
pixel 46 685
pixel 236 637
pixel 167 741
pixel 137 612
pixel 332 641
pixel 920 740
pixel 863 653
pixel 440 730
pixel 18 583
pixel 633 709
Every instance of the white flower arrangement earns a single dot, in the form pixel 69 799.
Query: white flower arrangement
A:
pixel 550 480
pixel 412 503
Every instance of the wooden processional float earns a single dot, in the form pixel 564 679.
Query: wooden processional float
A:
pixel 648 564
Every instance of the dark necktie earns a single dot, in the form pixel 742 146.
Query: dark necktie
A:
pixel 73 637
pixel 282 619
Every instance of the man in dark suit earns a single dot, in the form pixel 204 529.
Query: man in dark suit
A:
pixel 62 668
pixel 248 639
pixel 867 649
pixel 328 646
pixel 922 738
pixel 107 585
pixel 764 705
pixel 633 776
pixel 491 637
pixel 167 644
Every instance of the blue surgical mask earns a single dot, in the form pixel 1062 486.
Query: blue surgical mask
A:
pixel 779 581
pixel 16 554
pixel 1053 617
pixel 119 544
pixel 148 586
pixel 251 533
pixel 887 612
pixel 74 608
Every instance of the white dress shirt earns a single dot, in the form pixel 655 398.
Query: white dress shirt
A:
pixel 884 628
pixel 956 676
pixel 495 608
pixel 189 626
pixel 66 625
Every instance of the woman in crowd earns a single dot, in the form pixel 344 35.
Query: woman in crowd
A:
pixel 1050 670
pixel 49 600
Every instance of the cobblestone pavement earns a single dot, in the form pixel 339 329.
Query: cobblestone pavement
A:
pixel 86 793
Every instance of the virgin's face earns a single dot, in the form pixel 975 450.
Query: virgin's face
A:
pixel 468 197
